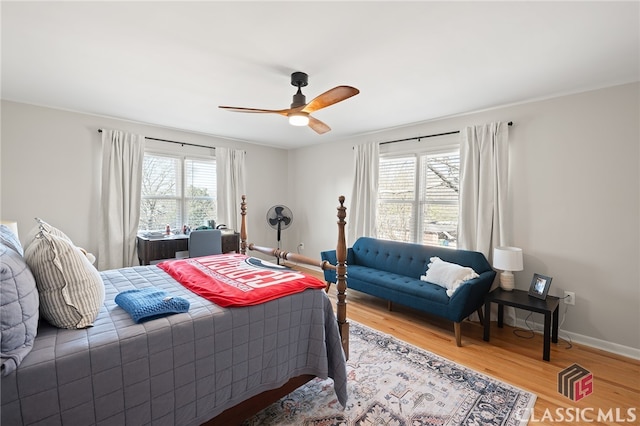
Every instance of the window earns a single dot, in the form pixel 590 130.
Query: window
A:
pixel 418 197
pixel 177 191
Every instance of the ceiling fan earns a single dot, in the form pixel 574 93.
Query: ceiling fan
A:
pixel 300 112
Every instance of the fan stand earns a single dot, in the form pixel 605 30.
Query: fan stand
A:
pixel 278 246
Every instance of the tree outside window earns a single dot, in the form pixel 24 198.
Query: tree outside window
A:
pixel 177 191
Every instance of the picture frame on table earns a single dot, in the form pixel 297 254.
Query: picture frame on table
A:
pixel 540 286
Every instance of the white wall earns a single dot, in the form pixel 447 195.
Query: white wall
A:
pixel 575 190
pixel 51 169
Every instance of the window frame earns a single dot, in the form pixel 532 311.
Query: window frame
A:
pixel 181 180
pixel 418 149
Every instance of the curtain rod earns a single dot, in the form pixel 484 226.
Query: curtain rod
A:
pixel 429 136
pixel 179 143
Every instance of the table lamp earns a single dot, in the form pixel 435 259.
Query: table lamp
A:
pixel 507 259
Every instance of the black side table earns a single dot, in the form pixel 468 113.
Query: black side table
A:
pixel 521 299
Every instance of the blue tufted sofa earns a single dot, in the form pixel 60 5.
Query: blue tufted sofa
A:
pixel 391 270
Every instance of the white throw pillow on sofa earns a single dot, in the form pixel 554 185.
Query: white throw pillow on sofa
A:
pixel 448 275
pixel 70 288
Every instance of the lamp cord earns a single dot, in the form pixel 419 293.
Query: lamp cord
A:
pixel 530 330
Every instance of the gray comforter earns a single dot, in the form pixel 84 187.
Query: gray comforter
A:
pixel 182 369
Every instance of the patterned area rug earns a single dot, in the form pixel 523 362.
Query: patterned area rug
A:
pixel 394 383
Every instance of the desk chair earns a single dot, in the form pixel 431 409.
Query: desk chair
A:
pixel 205 242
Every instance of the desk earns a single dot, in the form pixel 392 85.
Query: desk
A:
pixel 150 249
pixel 521 299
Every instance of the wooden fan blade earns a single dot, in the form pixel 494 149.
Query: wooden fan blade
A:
pixel 330 97
pixel 257 110
pixel 318 126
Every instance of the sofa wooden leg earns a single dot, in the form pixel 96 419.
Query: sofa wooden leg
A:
pixel 481 316
pixel 456 329
pixel 389 305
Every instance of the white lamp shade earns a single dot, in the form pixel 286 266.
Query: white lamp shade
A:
pixel 507 258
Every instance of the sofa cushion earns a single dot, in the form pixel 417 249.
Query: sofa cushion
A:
pixel 411 259
pixel 364 279
pixel 18 309
pixel 391 256
pixel 448 275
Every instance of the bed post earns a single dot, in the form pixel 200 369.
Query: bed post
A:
pixel 243 225
pixel 341 278
pixel 340 267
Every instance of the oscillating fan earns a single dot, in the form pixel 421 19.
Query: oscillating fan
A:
pixel 279 217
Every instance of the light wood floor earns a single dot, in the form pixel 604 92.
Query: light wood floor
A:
pixel 515 360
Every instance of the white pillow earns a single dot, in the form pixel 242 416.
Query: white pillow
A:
pixel 448 275
pixel 70 288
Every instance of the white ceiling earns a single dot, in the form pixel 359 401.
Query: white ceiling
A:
pixel 172 63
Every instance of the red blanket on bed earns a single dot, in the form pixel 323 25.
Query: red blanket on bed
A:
pixel 237 280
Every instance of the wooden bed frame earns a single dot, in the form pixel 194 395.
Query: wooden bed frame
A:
pixel 237 414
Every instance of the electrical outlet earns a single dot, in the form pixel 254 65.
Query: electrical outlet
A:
pixel 301 246
pixel 569 298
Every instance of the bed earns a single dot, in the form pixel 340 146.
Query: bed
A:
pixel 210 365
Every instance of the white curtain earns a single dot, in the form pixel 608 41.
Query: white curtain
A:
pixel 230 170
pixel 122 159
pixel 484 168
pixel 364 197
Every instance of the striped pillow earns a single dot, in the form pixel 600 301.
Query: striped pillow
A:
pixel 70 287
pixel 41 225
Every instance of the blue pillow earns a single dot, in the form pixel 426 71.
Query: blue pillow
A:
pixel 150 303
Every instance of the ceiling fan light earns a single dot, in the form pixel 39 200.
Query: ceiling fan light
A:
pixel 299 119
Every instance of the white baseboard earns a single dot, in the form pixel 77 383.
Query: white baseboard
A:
pixel 584 340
